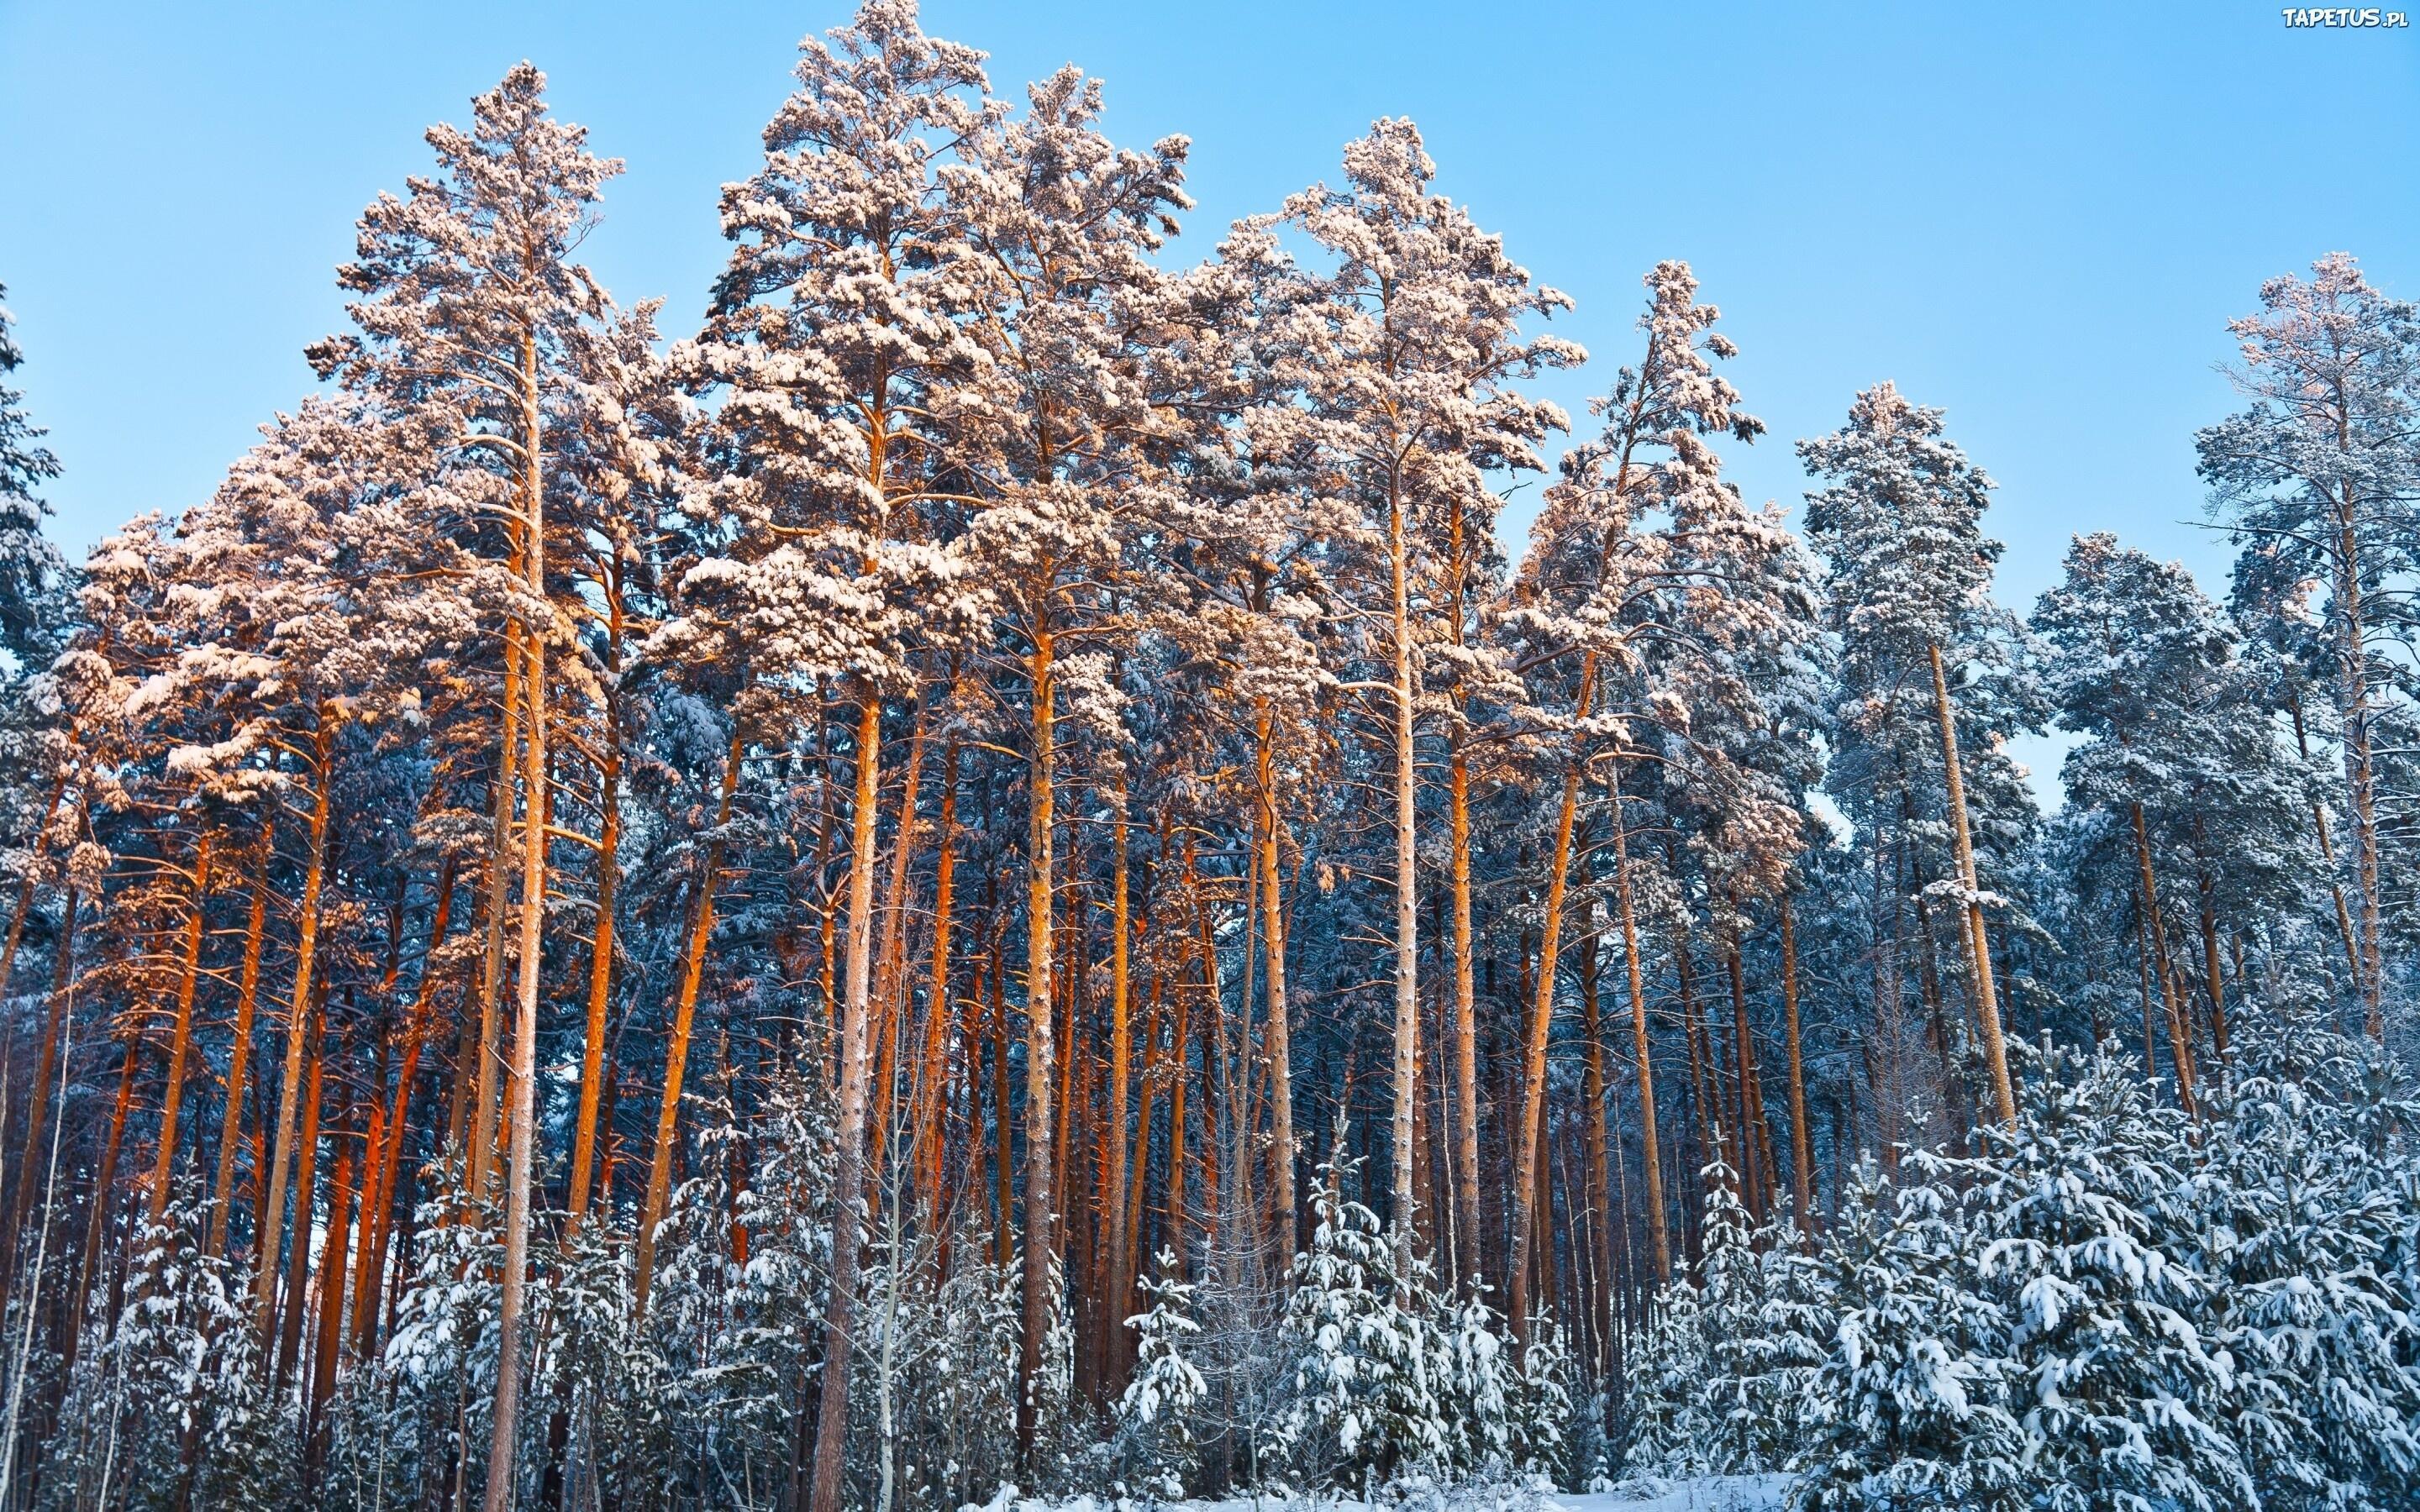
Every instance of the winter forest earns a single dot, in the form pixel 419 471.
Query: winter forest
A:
pixel 987 879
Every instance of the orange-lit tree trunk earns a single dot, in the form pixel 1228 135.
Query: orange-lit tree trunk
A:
pixel 1120 1077
pixel 1650 1156
pixel 1978 945
pixel 1041 1058
pixel 600 960
pixel 181 1036
pixel 247 997
pixel 1599 1208
pixel 521 1187
pixel 332 1306
pixel 1753 1174
pixel 889 993
pixel 660 1163
pixel 298 1019
pixel 940 1013
pixel 1408 945
pixel 1280 1033
pixel 1533 1054
pixel 298 1270
pixel 2179 1044
pixel 378 1188
pixel 478 1079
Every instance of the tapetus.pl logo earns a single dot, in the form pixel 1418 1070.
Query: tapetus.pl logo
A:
pixel 2298 16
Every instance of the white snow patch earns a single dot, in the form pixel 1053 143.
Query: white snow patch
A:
pixel 1711 1493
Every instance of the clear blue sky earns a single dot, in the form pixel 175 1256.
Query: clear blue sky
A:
pixel 2038 216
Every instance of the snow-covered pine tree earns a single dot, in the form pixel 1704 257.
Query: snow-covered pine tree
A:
pixel 1899 521
pixel 2187 765
pixel 471 312
pixel 1912 1385
pixel 34 580
pixel 2079 1236
pixel 2301 1214
pixel 1407 360
pixel 1665 1428
pixel 1068 450
pixel 1154 1411
pixel 1368 1387
pixel 840 334
pixel 2316 475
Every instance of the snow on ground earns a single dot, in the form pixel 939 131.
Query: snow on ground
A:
pixel 1712 1494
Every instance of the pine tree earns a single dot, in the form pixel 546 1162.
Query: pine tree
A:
pixel 1369 1382
pixel 1166 1389
pixel 1405 357
pixel 2313 476
pixel 1898 522
pixel 1912 1385
pixel 34 583
pixel 2073 1216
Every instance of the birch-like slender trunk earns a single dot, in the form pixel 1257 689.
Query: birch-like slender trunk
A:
pixel 522 1179
pixel 1407 944
pixel 849 1175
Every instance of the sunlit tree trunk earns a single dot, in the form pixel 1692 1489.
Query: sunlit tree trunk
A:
pixel 298 1017
pixel 848 1167
pixel 660 1163
pixel 1280 1034
pixel 1040 1053
pixel 378 1188
pixel 478 1079
pixel 1115 1175
pixel 247 996
pixel 1408 945
pixel 1533 1054
pixel 2156 958
pixel 181 1036
pixel 585 1130
pixel 522 1180
pixel 1650 1156
pixel 1978 945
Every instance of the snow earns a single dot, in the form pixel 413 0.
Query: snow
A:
pixel 1705 1493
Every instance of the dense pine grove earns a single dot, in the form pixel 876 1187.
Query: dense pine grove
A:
pixel 990 871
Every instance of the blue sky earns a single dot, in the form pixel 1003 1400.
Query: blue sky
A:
pixel 2038 217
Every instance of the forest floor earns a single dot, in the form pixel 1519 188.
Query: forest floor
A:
pixel 1712 1493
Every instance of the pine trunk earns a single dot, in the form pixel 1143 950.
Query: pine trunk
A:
pixel 181 1036
pixel 660 1163
pixel 1533 1054
pixel 848 1169
pixel 1650 1155
pixel 298 1019
pixel 1802 1148
pixel 1408 945
pixel 1987 1002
